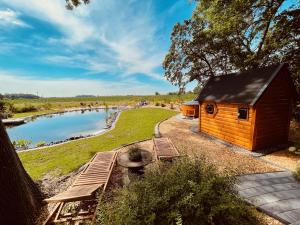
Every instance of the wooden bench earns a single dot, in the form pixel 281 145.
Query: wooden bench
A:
pixel 95 176
pixel 164 149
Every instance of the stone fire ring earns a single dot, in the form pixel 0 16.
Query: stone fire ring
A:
pixel 123 159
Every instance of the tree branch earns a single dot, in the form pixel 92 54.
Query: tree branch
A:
pixel 268 25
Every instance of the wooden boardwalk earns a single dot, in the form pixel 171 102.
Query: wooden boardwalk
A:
pixel 164 149
pixel 95 176
pixel 277 194
pixel 13 122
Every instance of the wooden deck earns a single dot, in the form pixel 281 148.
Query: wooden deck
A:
pixel 13 122
pixel 164 149
pixel 95 176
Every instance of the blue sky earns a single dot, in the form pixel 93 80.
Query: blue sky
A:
pixel 109 47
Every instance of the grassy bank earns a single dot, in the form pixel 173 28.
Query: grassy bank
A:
pixel 46 105
pixel 133 125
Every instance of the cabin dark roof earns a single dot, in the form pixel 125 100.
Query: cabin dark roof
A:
pixel 245 87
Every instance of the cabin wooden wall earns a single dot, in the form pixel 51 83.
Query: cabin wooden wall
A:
pixel 225 124
pixel 273 112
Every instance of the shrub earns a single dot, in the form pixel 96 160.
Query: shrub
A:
pixel 47 106
pixel 297 173
pixel 135 154
pixel 167 101
pixel 21 144
pixel 157 104
pixel 190 191
pixel 163 105
pixel 25 108
pixel 41 144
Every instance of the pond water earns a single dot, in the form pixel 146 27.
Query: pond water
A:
pixel 59 127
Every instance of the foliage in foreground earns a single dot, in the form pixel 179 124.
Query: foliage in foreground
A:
pixel 190 191
pixel 297 173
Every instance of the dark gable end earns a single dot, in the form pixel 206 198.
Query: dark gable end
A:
pixel 242 88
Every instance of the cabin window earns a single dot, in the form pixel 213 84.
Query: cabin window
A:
pixel 243 113
pixel 210 108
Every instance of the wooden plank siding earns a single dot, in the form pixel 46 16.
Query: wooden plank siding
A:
pixel 273 113
pixel 225 124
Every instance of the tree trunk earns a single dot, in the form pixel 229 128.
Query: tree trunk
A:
pixel 20 198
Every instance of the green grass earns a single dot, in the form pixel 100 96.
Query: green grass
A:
pixel 107 99
pixel 26 114
pixel 51 105
pixel 133 125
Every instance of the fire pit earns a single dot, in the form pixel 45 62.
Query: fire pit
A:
pixel 135 159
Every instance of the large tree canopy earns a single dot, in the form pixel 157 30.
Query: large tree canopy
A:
pixel 233 35
pixel 71 4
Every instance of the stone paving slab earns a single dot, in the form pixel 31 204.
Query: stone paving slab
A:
pixel 277 194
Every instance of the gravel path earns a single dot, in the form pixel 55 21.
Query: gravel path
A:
pixel 223 156
pixel 284 159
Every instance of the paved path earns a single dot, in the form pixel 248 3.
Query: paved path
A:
pixel 277 194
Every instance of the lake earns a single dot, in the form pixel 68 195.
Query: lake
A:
pixel 59 127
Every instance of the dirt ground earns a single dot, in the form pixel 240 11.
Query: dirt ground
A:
pixel 283 157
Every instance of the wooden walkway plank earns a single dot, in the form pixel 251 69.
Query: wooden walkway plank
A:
pixel 91 179
pixel 95 175
pixel 164 148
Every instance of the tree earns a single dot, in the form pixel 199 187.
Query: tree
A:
pixel 2 104
pixel 20 198
pixel 232 35
pixel 197 89
pixel 71 4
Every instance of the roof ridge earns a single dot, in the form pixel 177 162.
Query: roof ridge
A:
pixel 236 88
pixel 266 85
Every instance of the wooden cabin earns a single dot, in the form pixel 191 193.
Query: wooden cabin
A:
pixel 190 109
pixel 251 109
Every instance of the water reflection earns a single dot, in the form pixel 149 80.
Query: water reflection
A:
pixel 59 127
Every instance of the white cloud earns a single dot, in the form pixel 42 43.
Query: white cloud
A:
pixel 75 29
pixel 9 17
pixel 12 83
pixel 120 34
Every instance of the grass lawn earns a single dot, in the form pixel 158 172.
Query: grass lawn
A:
pixel 133 125
pixel 49 105
pixel 26 114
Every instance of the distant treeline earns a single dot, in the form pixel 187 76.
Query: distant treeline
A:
pixel 17 96
pixel 85 96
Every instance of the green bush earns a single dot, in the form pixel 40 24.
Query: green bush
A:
pixel 189 191
pixel 297 173
pixel 47 106
pixel 167 101
pixel 25 108
pixel 41 144
pixel 21 144
pixel 135 154
pixel 157 104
